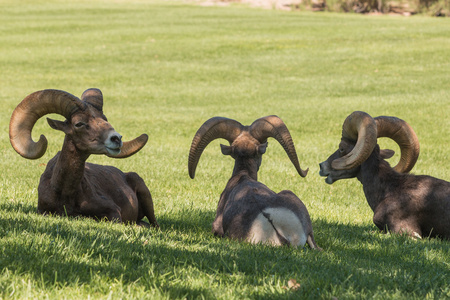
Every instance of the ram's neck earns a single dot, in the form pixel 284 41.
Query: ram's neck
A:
pixel 239 179
pixel 377 178
pixel 69 169
pixel 249 166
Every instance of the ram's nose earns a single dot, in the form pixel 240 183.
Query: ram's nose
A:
pixel 116 139
pixel 113 143
pixel 322 169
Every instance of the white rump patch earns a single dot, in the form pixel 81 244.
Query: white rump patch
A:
pixel 286 223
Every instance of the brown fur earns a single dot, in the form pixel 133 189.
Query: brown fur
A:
pixel 417 205
pixel 244 198
pixel 70 186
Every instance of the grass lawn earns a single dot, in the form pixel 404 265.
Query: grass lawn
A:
pixel 164 68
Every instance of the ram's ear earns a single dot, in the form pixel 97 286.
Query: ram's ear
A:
pixel 226 150
pixel 262 148
pixel 58 125
pixel 386 153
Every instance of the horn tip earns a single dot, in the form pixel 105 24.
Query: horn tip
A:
pixel 191 168
pixel 143 138
pixel 39 149
pixel 303 173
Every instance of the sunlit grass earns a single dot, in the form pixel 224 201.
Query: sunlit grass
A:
pixel 166 67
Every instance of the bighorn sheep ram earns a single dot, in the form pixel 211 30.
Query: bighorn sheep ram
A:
pixel 417 205
pixel 249 210
pixel 70 186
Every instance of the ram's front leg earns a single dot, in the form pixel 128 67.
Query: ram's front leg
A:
pixel 100 210
pixel 405 226
pixel 387 223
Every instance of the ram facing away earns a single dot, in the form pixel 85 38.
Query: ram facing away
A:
pixel 69 185
pixel 248 210
pixel 417 205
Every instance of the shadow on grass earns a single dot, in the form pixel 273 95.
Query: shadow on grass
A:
pixel 14 207
pixel 191 221
pixel 354 257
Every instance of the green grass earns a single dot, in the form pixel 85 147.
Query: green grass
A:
pixel 165 68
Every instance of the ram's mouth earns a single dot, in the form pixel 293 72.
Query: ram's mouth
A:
pixel 113 151
pixel 329 179
pixel 322 173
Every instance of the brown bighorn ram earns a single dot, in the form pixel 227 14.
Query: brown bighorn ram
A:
pixel 418 205
pixel 70 186
pixel 249 210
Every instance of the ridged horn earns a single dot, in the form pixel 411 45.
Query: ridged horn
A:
pixel 94 97
pixel 131 147
pixel 402 133
pixel 214 128
pixel 33 107
pixel 361 128
pixel 273 126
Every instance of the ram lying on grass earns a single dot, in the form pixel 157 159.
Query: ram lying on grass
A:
pixel 402 203
pixel 249 210
pixel 69 185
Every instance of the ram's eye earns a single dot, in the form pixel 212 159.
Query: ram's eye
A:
pixel 80 124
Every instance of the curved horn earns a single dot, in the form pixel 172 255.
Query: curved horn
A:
pixel 360 127
pixel 400 131
pixel 131 147
pixel 273 126
pixel 214 128
pixel 33 107
pixel 94 97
